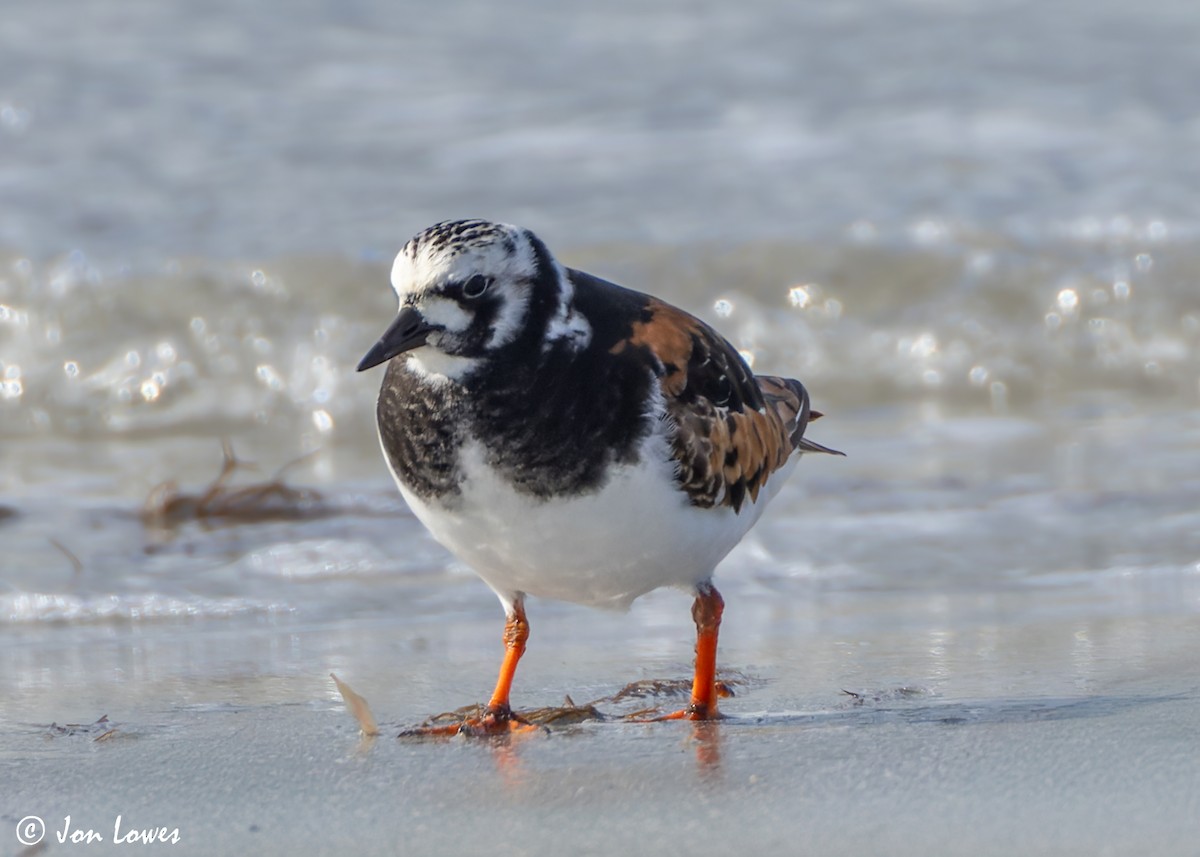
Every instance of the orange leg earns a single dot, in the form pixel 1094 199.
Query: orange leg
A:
pixel 516 632
pixel 706 612
pixel 498 717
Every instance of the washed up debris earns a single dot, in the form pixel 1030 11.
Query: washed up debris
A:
pixel 271 500
pixel 567 714
pixel 652 688
pixel 572 714
pixel 358 707
pixel 102 729
pixel 76 562
pixel 885 696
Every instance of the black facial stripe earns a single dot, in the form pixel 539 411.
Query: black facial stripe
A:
pixel 543 299
pixel 480 331
pixel 473 341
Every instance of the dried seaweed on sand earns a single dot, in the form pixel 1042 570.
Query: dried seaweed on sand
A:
pixel 102 729
pixel 572 714
pixel 273 499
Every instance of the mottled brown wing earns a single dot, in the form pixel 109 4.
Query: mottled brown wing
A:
pixel 732 429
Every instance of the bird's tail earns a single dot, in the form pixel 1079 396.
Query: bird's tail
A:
pixel 790 400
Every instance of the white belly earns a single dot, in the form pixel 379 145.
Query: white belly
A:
pixel 635 534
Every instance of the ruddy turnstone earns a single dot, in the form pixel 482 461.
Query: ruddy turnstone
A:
pixel 569 438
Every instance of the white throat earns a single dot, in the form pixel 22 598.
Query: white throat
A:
pixel 436 367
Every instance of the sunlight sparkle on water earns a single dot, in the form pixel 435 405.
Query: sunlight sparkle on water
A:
pixel 1068 300
pixel 11 386
pixel 150 390
pixel 923 346
pixel 267 374
pixel 14 316
pixel 800 296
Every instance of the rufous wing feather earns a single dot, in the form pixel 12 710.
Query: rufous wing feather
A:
pixel 732 429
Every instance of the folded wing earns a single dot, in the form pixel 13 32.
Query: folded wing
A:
pixel 732 430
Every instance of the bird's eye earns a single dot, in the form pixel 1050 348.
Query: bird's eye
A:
pixel 476 286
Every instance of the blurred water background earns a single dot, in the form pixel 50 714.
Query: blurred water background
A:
pixel 969 227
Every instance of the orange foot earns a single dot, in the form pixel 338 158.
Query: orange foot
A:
pixel 695 711
pixel 692 712
pixel 495 720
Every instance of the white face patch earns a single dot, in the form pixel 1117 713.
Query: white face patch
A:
pixel 437 367
pixel 445 313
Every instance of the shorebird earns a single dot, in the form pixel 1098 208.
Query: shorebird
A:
pixel 572 439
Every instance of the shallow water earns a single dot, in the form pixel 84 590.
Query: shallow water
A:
pixel 1001 432
pixel 979 262
pixel 137 127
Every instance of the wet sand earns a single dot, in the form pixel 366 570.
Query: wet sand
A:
pixel 1064 736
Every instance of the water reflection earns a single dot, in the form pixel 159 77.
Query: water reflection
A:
pixel 706 739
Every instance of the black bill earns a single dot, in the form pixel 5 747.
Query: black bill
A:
pixel 408 331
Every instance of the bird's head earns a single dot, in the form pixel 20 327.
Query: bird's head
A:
pixel 468 289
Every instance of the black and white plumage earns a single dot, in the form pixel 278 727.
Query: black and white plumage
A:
pixel 567 437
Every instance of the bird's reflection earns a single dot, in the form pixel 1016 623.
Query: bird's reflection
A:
pixel 706 737
pixel 506 752
pixel 506 757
